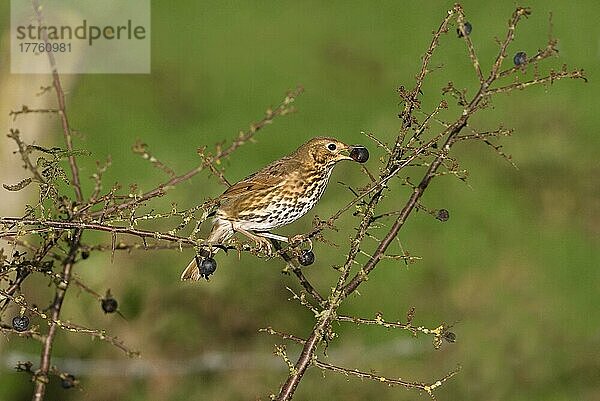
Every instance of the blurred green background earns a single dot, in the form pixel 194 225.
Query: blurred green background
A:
pixel 515 268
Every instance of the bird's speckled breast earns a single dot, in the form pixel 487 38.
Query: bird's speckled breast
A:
pixel 286 203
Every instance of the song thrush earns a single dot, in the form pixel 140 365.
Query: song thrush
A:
pixel 276 195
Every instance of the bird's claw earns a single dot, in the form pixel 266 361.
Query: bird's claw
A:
pixel 264 245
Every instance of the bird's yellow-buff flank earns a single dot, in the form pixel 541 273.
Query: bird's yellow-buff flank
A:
pixel 274 196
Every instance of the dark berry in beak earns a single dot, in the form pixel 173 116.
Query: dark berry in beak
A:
pixel 359 154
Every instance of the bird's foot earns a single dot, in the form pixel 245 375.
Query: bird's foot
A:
pixel 264 245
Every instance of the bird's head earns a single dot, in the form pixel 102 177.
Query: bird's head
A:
pixel 325 152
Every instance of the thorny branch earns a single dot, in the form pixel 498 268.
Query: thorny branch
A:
pixel 68 225
pixel 67 326
pixel 57 218
pixel 41 375
pixel 396 162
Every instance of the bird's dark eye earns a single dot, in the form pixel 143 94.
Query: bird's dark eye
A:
pixel 331 146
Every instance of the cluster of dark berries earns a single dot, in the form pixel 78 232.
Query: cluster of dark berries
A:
pixel 467 27
pixel 360 154
pixel 20 323
pixel 207 267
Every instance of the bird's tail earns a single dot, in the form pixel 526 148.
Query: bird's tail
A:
pixel 191 272
pixel 221 231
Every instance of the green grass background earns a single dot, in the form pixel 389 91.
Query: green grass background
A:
pixel 516 266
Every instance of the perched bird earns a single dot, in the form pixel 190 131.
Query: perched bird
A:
pixel 276 195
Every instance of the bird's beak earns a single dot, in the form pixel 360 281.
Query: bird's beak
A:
pixel 358 153
pixel 345 153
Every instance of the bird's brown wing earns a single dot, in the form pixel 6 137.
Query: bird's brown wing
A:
pixel 267 178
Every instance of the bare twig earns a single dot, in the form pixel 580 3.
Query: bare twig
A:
pixel 426 387
pixel 41 375
pixel 26 110
pixel 69 225
pixel 62 107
